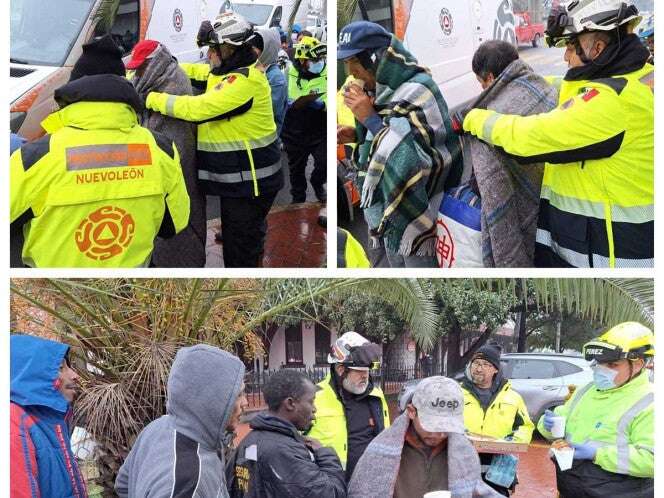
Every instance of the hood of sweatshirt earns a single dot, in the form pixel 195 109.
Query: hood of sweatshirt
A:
pixel 203 385
pixel 271 46
pixel 35 367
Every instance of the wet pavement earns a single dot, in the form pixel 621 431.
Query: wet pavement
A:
pixel 294 237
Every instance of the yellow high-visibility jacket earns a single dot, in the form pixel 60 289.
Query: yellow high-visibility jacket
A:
pixel 97 189
pixel 350 253
pixel 330 425
pixel 619 422
pixel 506 415
pixel 238 151
pixel 596 207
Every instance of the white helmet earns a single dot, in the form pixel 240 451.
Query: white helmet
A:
pixel 572 18
pixel 354 351
pixel 228 27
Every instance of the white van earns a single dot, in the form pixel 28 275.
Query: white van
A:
pixel 47 39
pixel 277 13
pixel 443 35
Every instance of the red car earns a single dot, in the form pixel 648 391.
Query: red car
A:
pixel 526 30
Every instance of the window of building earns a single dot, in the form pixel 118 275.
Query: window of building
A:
pixel 322 344
pixel 294 345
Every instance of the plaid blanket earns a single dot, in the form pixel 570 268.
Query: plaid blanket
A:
pixel 376 472
pixel 510 191
pixel 408 160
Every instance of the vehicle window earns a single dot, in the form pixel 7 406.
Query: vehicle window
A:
pixel 255 13
pixel 276 18
pixel 506 366
pixel 566 368
pixel 378 11
pixel 532 369
pixel 125 30
pixel 35 21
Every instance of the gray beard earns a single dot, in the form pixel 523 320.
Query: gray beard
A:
pixel 351 387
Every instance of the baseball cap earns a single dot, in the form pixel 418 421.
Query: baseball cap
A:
pixel 359 36
pixel 142 50
pixel 439 403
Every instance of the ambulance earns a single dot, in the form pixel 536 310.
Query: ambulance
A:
pixel 46 39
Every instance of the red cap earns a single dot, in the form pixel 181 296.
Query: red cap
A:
pixel 142 50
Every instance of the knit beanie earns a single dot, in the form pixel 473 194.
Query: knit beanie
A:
pixel 490 353
pixel 100 55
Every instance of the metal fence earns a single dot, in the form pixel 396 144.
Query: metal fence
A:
pixel 391 379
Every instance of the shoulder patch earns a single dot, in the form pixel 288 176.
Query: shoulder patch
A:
pixel 32 152
pixel 590 94
pixel 164 143
pixel 617 84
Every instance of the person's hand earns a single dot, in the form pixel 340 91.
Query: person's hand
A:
pixel 346 134
pixel 360 104
pixel 584 452
pixel 457 122
pixel 312 444
pixel 548 420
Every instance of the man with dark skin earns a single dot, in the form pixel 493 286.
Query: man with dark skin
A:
pixel 274 460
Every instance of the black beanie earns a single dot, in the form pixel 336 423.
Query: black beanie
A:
pixel 100 55
pixel 490 353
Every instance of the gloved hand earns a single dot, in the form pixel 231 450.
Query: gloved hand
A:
pixel 584 452
pixel 548 420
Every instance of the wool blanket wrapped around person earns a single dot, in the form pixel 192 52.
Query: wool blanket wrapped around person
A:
pixel 510 191
pixel 376 472
pixel 163 74
pixel 403 167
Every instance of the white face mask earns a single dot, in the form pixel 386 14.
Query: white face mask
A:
pixel 604 377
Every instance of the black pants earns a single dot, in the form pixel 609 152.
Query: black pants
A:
pixel 588 480
pixel 243 228
pixel 298 155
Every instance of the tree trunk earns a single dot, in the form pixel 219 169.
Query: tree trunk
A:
pixel 521 332
pixel 453 347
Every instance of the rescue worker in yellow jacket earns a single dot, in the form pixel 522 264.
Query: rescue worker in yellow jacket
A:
pixel 610 422
pixel 492 408
pixel 350 410
pixel 596 203
pixel 98 188
pixel 304 127
pixel 238 153
pixel 350 253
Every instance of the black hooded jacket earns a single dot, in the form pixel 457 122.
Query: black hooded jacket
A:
pixel 273 461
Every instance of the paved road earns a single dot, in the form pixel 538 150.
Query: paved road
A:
pixel 544 60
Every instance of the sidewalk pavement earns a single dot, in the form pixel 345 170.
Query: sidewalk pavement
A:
pixel 294 238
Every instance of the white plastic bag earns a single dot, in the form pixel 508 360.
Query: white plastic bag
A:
pixel 458 230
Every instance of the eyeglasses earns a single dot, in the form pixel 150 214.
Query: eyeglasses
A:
pixel 481 364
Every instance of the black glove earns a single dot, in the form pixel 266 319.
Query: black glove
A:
pixel 206 35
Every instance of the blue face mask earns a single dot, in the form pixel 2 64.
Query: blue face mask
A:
pixel 604 377
pixel 316 67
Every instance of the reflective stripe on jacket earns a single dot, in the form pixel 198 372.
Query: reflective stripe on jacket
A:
pixel 596 207
pixel 506 415
pixel 350 254
pixel 330 424
pixel 619 422
pixel 238 151
pixel 97 190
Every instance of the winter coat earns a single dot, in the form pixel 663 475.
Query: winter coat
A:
pixel 274 75
pixel 163 74
pixel 273 461
pixel 42 464
pixel 179 454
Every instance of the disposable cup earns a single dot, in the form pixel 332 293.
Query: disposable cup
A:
pixel 438 494
pixel 558 429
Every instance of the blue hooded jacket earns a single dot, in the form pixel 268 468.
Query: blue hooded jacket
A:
pixel 42 462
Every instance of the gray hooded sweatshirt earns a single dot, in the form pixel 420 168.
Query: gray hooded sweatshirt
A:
pixel 179 454
pixel 274 75
pixel 163 74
